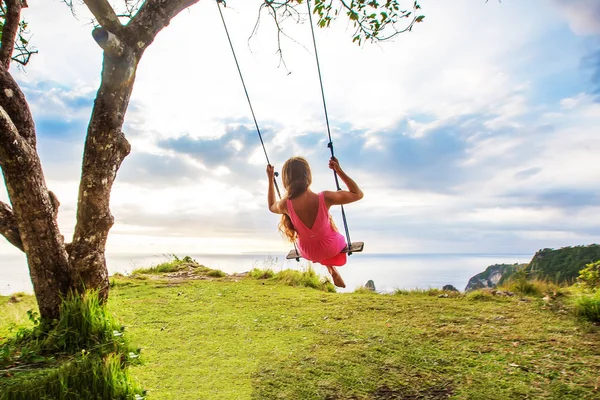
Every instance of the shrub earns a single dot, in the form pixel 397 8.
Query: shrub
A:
pixel 291 277
pixel 307 278
pixel 479 295
pixel 520 284
pixel 299 278
pixel 589 277
pixel 216 273
pixel 82 355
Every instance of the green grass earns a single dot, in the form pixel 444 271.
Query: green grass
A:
pixel 261 339
pixel 587 306
pixel 435 292
pixel 13 315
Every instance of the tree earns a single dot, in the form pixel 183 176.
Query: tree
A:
pixel 30 221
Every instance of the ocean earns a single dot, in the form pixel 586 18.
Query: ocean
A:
pixel 388 271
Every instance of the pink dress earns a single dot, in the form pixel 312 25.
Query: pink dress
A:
pixel 321 243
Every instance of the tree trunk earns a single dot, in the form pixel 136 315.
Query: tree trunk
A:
pixel 105 149
pixel 34 207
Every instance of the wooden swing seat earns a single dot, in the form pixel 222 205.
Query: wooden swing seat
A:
pixel 355 247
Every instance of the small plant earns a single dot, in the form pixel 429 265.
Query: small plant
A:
pixel 589 277
pixel 267 263
pixel 173 265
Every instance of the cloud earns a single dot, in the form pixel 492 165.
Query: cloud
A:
pixel 59 111
pixel 237 143
pixel 592 64
pixel 148 169
pixel 583 15
pixel 472 133
pixel 527 173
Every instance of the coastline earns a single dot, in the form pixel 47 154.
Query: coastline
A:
pixel 389 271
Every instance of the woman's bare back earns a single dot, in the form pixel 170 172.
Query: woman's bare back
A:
pixel 306 207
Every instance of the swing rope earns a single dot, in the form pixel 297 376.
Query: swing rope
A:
pixel 245 90
pixel 330 144
pixel 250 104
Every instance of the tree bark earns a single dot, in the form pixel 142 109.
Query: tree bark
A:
pixel 8 226
pixel 106 16
pixel 105 148
pixel 33 209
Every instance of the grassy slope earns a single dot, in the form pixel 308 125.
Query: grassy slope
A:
pixel 262 340
pixel 256 339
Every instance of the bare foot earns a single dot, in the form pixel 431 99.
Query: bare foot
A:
pixel 337 279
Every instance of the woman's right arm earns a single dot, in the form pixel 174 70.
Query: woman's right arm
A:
pixel 276 207
pixel 342 196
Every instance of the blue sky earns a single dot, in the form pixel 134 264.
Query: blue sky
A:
pixel 475 133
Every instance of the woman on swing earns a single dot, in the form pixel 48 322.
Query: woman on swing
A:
pixel 305 215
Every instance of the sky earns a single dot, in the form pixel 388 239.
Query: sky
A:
pixel 474 133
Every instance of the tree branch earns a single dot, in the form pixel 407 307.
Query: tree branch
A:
pixel 13 101
pixel 55 203
pixel 108 42
pixel 8 226
pixel 152 17
pixel 9 31
pixel 105 15
pixel 13 148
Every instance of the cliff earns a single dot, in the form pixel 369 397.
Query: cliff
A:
pixel 491 276
pixel 555 265
pixel 562 265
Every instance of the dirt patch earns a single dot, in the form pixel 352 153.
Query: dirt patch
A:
pixel 190 274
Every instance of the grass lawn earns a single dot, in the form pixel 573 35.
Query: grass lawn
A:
pixel 259 339
pixel 242 338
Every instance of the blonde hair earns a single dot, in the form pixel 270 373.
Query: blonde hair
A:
pixel 296 178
